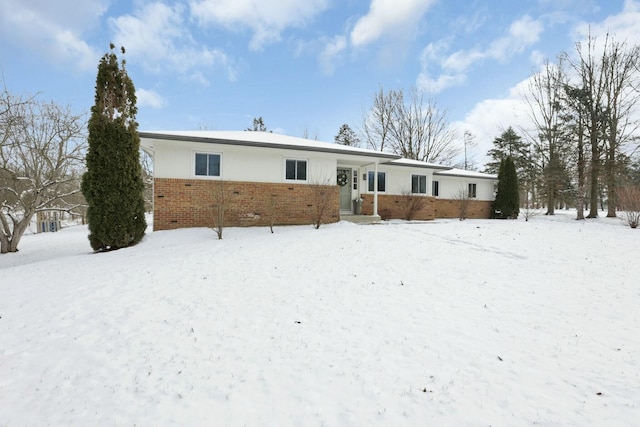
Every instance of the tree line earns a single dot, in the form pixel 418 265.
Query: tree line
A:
pixel 582 151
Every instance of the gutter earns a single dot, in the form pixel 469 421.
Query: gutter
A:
pixel 375 154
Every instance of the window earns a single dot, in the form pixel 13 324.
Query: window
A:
pixel 207 164
pixel 355 179
pixel 381 181
pixel 295 170
pixel 472 191
pixel 435 188
pixel 419 184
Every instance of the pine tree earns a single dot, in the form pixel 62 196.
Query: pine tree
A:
pixel 346 136
pixel 509 143
pixel 507 198
pixel 113 185
pixel 258 125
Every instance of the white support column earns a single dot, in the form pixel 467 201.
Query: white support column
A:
pixel 375 189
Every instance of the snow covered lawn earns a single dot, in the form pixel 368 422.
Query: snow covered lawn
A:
pixel 474 323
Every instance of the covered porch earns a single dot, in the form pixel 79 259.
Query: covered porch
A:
pixel 352 179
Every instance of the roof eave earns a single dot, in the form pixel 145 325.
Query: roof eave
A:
pixel 425 166
pixel 465 176
pixel 189 138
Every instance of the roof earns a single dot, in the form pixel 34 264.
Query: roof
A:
pixel 465 174
pixel 266 140
pixel 416 163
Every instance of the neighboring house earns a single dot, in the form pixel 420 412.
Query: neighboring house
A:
pixel 262 178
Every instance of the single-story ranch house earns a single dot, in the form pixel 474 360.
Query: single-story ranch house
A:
pixel 262 178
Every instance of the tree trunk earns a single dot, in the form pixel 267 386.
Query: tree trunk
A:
pixel 595 172
pixel 551 203
pixel 581 183
pixel 9 244
pixel 611 175
pixel 551 181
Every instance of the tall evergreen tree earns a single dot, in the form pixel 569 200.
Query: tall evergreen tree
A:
pixel 507 197
pixel 346 136
pixel 258 125
pixel 113 185
pixel 509 143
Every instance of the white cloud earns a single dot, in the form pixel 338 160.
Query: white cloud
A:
pixel 388 17
pixel 537 58
pixel 157 36
pixel 489 118
pixel 430 85
pixel 332 52
pixel 266 19
pixel 53 29
pixel 625 26
pixel 150 98
pixel 522 34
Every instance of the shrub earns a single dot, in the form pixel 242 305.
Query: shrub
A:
pixel 411 204
pixel 629 202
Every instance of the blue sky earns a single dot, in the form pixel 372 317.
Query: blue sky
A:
pixel 304 66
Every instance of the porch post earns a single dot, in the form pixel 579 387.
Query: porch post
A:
pixel 375 189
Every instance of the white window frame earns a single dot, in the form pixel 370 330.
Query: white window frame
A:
pixel 475 190
pixel 425 183
pixel 296 159
pixel 372 180
pixel 193 164
pixel 435 183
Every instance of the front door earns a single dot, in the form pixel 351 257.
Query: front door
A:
pixel 344 181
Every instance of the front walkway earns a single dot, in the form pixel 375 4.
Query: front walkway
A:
pixel 360 219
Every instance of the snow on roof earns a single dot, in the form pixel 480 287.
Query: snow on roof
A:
pixel 264 139
pixel 465 173
pixel 416 163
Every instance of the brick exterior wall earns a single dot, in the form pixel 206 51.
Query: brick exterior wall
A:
pixel 448 208
pixel 190 203
pixel 395 207
pixel 182 203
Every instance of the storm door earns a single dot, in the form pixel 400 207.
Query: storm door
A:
pixel 344 181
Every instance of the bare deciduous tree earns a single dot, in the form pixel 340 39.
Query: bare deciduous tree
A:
pixel 146 161
pixel 608 73
pixel 219 208
pixel 378 121
pixel 323 198
pixel 544 98
pixel 271 211
pixel 621 99
pixel 575 99
pixel 412 127
pixel 592 81
pixel 41 152
pixel 464 200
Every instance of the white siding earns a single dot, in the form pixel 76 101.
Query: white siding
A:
pixel 398 178
pixel 175 159
pixel 239 163
pixel 450 187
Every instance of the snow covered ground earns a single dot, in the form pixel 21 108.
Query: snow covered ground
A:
pixel 473 323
